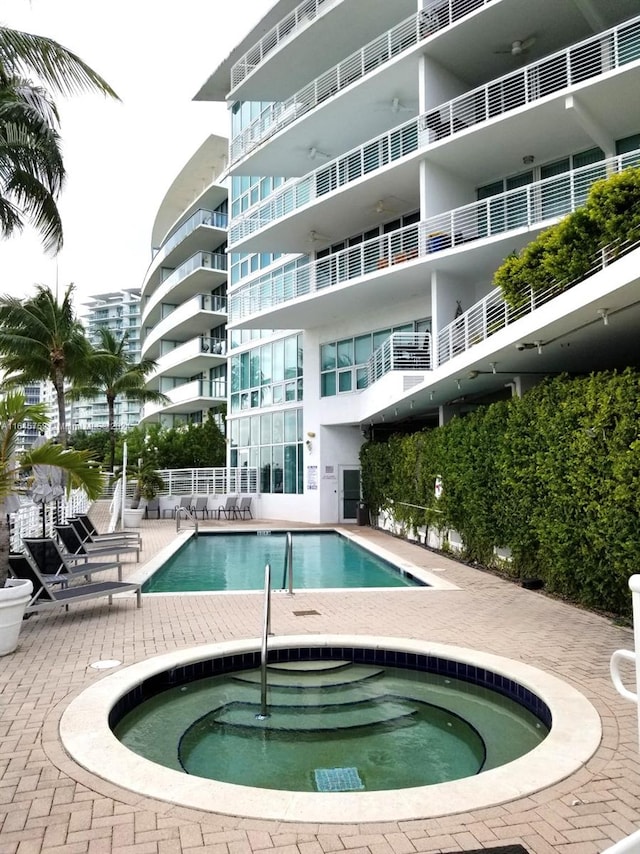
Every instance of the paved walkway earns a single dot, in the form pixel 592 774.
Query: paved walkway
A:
pixel 49 804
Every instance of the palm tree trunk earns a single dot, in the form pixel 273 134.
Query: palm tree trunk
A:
pixel 58 384
pixel 111 406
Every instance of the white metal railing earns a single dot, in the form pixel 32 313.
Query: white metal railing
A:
pixel 209 481
pixel 402 351
pixel 631 844
pixel 433 17
pixel 522 207
pixel 199 261
pixel 585 60
pixel 38 520
pixel 215 219
pixel 492 313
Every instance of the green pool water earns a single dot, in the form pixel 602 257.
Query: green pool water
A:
pixel 332 726
pixel 236 562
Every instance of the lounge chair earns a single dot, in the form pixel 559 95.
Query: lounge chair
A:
pixel 229 508
pixel 45 553
pixel 99 540
pixel 201 504
pixel 74 545
pixel 152 506
pixel 244 507
pixel 91 528
pixel 46 596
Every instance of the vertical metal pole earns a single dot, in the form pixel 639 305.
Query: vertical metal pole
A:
pixel 290 560
pixel 123 482
pixel 266 623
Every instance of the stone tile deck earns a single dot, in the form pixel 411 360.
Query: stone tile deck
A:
pixel 50 804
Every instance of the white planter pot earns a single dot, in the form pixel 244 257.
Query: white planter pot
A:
pixel 132 517
pixel 14 598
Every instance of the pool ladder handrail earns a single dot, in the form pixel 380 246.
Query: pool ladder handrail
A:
pixel 266 631
pixel 188 515
pixel 287 575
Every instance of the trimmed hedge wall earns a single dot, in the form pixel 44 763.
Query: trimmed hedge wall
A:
pixel 553 476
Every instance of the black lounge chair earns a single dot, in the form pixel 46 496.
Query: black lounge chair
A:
pixel 74 545
pixel 45 553
pixel 84 519
pixel 107 540
pixel 46 596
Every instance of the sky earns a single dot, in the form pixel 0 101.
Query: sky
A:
pixel 121 157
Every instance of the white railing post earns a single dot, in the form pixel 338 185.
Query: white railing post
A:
pixel 627 655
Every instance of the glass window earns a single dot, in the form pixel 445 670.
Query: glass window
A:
pixel 380 337
pixel 328 384
pixel 278 361
pixel 265 363
pixel 265 429
pixel 345 353
pixel 327 357
pixel 345 380
pixel 290 425
pixel 362 349
pixel 290 391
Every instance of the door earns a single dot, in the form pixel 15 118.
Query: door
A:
pixel 349 493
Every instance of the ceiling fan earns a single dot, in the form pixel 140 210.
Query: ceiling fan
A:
pixel 314 153
pixel 317 237
pixel 386 205
pixel 396 105
pixel 518 46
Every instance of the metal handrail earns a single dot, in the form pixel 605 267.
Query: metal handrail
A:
pixel 266 631
pixel 180 510
pixel 287 576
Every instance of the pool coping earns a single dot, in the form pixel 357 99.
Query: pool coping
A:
pixel 429 578
pixel 87 738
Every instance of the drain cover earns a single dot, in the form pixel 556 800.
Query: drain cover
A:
pixel 306 613
pixel 105 664
pixel 338 779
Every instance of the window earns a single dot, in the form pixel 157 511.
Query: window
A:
pixel 273 443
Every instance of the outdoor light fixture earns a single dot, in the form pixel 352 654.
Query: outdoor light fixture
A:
pixel 604 314
pixel 528 159
pixel 492 365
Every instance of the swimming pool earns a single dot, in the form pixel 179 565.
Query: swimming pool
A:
pixel 236 561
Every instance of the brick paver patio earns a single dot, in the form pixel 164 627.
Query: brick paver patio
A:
pixel 50 804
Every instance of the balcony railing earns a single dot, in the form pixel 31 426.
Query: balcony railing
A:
pixel 199 261
pixel 584 61
pixel 435 16
pixel 402 351
pixel 523 207
pixel 492 313
pixel 215 389
pixel 215 219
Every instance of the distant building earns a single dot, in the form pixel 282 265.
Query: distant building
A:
pixel 118 311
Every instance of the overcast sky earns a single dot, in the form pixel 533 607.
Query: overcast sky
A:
pixel 122 157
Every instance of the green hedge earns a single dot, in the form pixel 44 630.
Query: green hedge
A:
pixel 554 476
pixel 564 253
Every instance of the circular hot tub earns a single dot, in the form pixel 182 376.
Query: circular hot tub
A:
pixel 376 729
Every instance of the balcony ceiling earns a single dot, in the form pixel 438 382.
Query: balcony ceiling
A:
pixel 363 111
pixel 202 281
pixel 198 323
pixel 204 238
pixel 578 342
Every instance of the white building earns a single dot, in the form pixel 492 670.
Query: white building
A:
pixel 184 303
pixel 118 311
pixel 384 159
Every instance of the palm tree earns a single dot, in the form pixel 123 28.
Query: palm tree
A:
pixel 14 411
pixel 80 470
pixel 112 374
pixel 41 339
pixel 31 168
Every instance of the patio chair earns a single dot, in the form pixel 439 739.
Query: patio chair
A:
pixel 152 506
pixel 99 539
pixel 244 507
pixel 229 508
pixel 201 504
pixel 74 545
pixel 52 563
pixel 46 596
pixel 96 535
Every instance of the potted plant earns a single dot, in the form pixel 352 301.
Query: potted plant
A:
pixel 147 485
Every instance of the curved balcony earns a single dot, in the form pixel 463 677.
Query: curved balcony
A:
pixel 435 16
pixel 204 271
pixel 188 238
pixel 202 312
pixel 545 83
pixel 284 300
pixel 189 358
pixel 189 397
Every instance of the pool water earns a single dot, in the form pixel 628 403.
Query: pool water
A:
pixel 236 562
pixel 332 726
